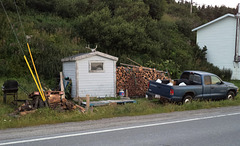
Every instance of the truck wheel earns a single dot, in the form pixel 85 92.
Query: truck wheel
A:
pixel 230 95
pixel 187 99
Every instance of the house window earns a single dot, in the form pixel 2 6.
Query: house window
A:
pixel 96 67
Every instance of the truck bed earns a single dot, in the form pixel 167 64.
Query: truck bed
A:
pixel 161 90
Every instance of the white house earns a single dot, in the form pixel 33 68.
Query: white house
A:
pixel 91 73
pixel 219 36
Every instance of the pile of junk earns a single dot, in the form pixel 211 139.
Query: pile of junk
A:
pixel 52 99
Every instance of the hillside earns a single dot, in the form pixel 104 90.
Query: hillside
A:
pixel 154 33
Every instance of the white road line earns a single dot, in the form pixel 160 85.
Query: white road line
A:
pixel 116 129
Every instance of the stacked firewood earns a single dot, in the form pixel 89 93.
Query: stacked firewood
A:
pixel 135 79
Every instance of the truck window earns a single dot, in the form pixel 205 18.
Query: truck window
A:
pixel 185 75
pixel 215 80
pixel 207 80
pixel 195 78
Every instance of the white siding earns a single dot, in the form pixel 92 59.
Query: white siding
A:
pixel 69 70
pixel 98 83
pixel 219 38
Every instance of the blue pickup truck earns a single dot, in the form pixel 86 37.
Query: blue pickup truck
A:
pixel 192 85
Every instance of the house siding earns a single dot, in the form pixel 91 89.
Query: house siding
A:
pixel 96 83
pixel 69 70
pixel 219 38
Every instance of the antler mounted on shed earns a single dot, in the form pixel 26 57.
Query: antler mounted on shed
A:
pixel 92 49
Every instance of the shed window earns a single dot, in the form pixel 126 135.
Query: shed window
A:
pixel 96 67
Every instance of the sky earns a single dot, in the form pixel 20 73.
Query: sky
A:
pixel 227 3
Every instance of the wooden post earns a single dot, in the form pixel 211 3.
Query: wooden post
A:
pixel 87 102
pixel 126 92
pixel 62 86
pixel 79 101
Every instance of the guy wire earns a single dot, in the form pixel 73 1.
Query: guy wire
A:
pixel 12 27
pixel 20 21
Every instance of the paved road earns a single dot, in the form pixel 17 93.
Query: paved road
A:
pixel 218 126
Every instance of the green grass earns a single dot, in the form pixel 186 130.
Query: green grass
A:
pixel 236 82
pixel 142 107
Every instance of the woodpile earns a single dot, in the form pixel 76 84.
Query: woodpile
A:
pixel 54 101
pixel 63 104
pixel 135 79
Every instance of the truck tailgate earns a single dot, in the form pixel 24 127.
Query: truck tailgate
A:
pixel 159 88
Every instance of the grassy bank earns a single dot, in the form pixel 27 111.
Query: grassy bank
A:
pixel 142 107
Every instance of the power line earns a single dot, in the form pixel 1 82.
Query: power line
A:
pixel 20 20
pixel 12 28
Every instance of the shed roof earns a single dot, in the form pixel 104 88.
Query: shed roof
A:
pixel 86 55
pixel 213 21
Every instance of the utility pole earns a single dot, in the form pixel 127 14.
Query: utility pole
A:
pixel 236 56
pixel 191 6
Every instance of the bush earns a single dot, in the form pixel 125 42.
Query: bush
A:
pixel 225 74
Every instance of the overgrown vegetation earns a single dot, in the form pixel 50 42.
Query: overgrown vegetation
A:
pixel 154 33
pixel 142 107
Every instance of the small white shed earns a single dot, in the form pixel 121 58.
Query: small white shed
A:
pixel 220 38
pixel 91 73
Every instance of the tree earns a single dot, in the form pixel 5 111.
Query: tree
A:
pixel 42 5
pixel 157 8
pixel 132 11
pixel 71 8
pixel 91 26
